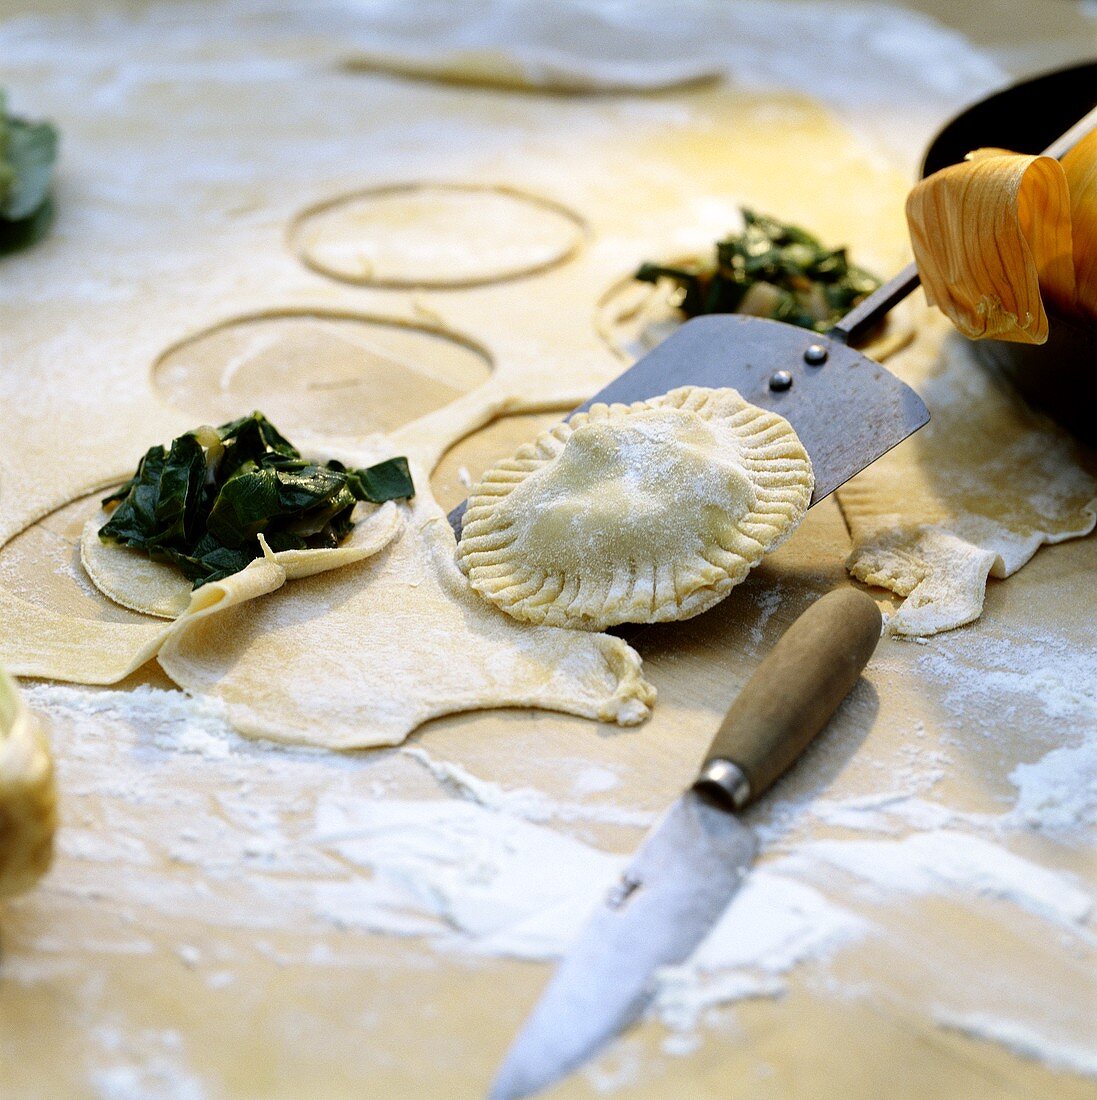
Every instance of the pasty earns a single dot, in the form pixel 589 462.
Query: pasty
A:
pixel 635 513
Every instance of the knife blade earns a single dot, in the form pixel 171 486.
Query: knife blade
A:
pixel 692 863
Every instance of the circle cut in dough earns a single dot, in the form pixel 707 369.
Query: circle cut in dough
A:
pixel 436 235
pixel 322 371
pixel 639 513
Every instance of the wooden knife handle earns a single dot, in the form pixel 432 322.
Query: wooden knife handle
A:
pixel 792 694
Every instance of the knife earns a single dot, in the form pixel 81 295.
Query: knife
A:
pixel 692 863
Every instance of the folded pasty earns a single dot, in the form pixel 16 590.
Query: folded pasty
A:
pixel 635 513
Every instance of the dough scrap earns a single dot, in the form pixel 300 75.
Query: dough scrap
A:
pixel 973 494
pixel 649 512
pixel 362 656
pixel 28 794
pixel 37 641
pixel 132 579
pixel 490 68
pixel 532 47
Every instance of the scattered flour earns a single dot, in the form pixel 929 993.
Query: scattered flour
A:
pixel 685 993
pixel 153 1066
pixel 944 860
pixel 291 837
pixel 528 803
pixel 482 881
pixel 1058 793
pixel 595 781
pixel 1023 1040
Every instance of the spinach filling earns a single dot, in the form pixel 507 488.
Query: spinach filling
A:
pixel 769 270
pixel 202 502
pixel 27 154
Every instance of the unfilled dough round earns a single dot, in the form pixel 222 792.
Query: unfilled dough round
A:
pixel 436 235
pixel 635 513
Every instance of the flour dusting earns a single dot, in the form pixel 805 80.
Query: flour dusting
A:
pixel 526 802
pixel 1026 1041
pixel 481 874
pixel 945 860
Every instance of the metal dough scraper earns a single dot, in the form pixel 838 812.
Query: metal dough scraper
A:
pixel 847 409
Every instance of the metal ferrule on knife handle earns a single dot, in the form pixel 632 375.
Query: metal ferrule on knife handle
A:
pixel 791 696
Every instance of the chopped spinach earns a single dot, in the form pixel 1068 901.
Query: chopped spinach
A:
pixel 202 502
pixel 27 154
pixel 769 270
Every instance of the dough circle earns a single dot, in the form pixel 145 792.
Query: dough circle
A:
pixel 436 235
pixel 648 512
pixel 133 580
pixel 320 371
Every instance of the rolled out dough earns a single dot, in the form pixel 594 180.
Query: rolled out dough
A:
pixel 362 656
pixel 972 495
pixel 343 658
pixel 39 641
pixel 566 47
pixel 134 580
pixel 420 235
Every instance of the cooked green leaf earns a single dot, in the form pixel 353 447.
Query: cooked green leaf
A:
pixel 202 503
pixel 15 236
pixel 769 270
pixel 389 480
pixel 181 482
pixel 28 151
pixel 134 520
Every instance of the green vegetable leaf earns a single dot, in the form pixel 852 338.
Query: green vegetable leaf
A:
pixel 769 270
pixel 181 481
pixel 389 480
pixel 15 236
pixel 202 503
pixel 134 520
pixel 28 151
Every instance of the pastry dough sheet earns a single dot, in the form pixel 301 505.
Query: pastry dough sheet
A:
pixel 200 929
pixel 972 495
pixel 362 656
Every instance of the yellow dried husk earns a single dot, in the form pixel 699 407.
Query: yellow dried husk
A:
pixel 1080 168
pixel 992 241
pixel 28 794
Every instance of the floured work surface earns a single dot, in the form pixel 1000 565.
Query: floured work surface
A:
pixel 234 918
